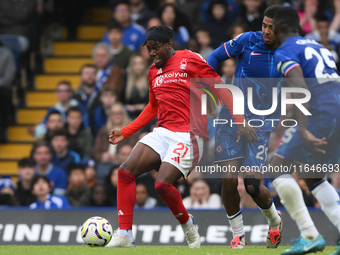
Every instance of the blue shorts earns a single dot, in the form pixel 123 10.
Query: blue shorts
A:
pixel 252 154
pixel 293 148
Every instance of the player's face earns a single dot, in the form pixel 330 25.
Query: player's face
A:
pixel 268 33
pixel 159 52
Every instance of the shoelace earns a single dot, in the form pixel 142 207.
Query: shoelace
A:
pixel 190 238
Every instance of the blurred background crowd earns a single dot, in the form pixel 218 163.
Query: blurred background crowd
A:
pixel 71 162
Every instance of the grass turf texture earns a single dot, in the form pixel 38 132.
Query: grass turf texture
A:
pixel 143 250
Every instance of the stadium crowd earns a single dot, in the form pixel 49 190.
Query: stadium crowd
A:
pixel 73 163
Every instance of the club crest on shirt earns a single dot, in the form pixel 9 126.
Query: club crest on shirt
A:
pixel 159 81
pixel 159 71
pixel 183 64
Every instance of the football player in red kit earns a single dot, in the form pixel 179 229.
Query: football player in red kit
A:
pixel 176 145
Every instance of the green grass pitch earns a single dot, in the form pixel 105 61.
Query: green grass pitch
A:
pixel 142 250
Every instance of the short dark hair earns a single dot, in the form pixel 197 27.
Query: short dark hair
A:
pixel 203 29
pixel 287 20
pixel 120 2
pixel 40 177
pixel 53 113
pixel 74 167
pixel 40 144
pixel 60 132
pixel 75 109
pixel 64 82
pixel 114 25
pixel 163 29
pixel 321 17
pixel 271 11
pixel 26 162
pixel 87 66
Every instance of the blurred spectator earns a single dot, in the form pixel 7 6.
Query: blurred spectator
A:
pixel 183 187
pixel 17 17
pixel 200 196
pixel 103 61
pixel 99 196
pixel 41 188
pixel 335 180
pixel 64 94
pixel 26 173
pixel 103 151
pixel 307 21
pixel 228 70
pixel 80 137
pixel 325 36
pixel 42 155
pixel 111 182
pixel 251 13
pixel 121 53
pixel 54 122
pixel 142 198
pixel 87 90
pixel 78 194
pixel 7 73
pixel 233 9
pixel 236 29
pixel 90 173
pixel 204 39
pixel 140 13
pixel 217 22
pixel 63 157
pixel 169 16
pixel 154 22
pixel 124 153
pixel 7 191
pixel 245 200
pixel 137 86
pixel 335 25
pixel 134 35
pixel 193 45
pixel 145 53
pixel 99 114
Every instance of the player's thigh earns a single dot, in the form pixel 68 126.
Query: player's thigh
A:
pixel 142 159
pixel 226 147
pixel 255 155
pixel 280 166
pixel 184 152
pixel 168 173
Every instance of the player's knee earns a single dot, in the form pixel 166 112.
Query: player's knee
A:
pixel 162 188
pixel 252 186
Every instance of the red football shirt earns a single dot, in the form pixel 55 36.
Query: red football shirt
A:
pixel 174 100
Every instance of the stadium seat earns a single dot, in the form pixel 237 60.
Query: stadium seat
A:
pixel 20 134
pixel 73 48
pixel 65 65
pixel 15 151
pixel 49 82
pixel 41 99
pixel 8 167
pixel 30 116
pixel 91 32
pixel 97 15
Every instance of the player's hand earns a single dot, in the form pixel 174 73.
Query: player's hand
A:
pixel 313 142
pixel 116 136
pixel 248 131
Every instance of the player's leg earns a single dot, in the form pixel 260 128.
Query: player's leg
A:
pixel 183 154
pixel 231 202
pixel 255 156
pixel 142 159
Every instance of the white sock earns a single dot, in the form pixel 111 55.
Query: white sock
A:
pixel 271 214
pixel 236 224
pixel 329 201
pixel 292 199
pixel 126 232
pixel 188 224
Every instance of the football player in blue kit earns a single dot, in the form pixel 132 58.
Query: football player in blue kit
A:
pixel 314 143
pixel 255 69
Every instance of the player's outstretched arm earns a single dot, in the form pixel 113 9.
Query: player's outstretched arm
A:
pixel 295 79
pixel 217 56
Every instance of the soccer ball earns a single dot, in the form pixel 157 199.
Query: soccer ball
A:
pixel 96 231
